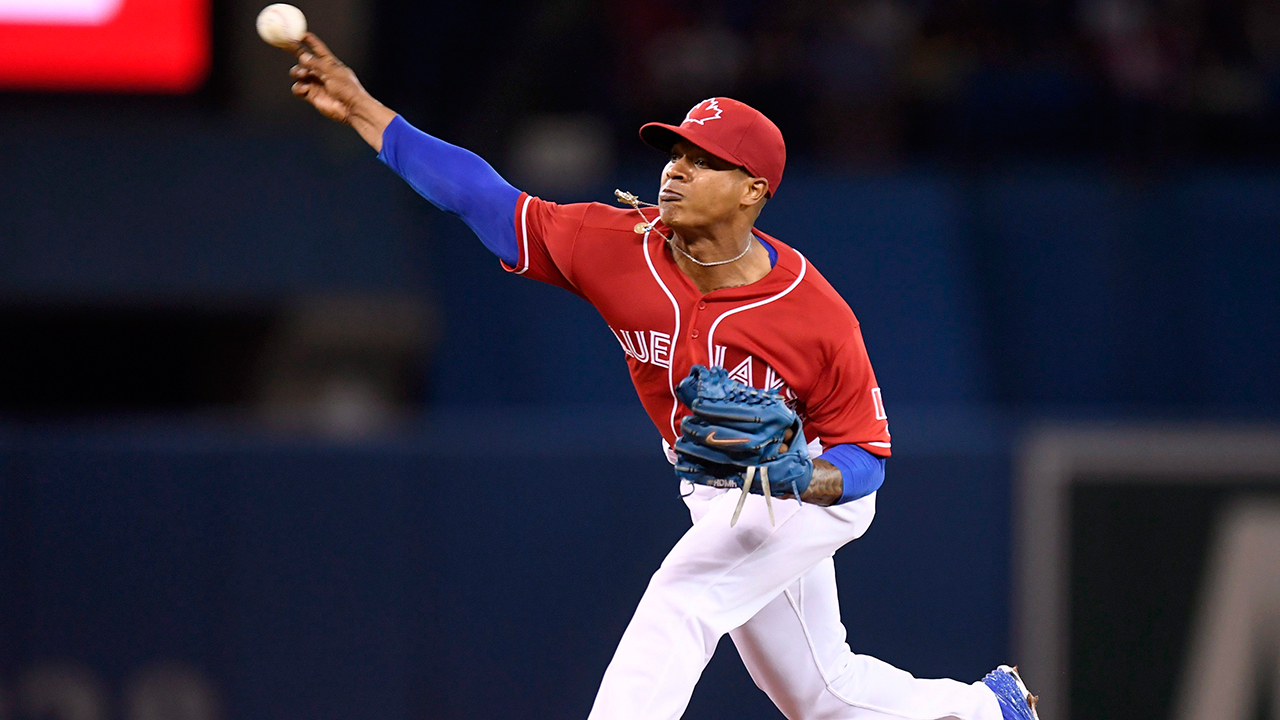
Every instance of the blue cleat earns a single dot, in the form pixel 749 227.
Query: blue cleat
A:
pixel 1016 702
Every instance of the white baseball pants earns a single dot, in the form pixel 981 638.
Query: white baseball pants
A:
pixel 773 590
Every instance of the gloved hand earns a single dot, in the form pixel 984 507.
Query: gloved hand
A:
pixel 737 433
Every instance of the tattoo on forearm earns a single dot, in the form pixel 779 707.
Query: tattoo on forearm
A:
pixel 826 486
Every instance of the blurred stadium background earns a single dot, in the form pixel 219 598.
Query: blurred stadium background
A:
pixel 279 440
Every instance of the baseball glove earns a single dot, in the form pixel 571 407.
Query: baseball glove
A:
pixel 737 432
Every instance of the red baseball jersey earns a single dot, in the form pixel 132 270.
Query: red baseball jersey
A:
pixel 789 331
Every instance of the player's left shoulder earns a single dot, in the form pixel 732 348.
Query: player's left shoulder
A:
pixel 810 290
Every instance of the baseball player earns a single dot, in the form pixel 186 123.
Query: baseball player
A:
pixel 754 372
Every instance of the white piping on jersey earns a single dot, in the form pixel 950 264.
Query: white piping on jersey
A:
pixel 524 231
pixel 675 334
pixel 711 336
pixel 880 444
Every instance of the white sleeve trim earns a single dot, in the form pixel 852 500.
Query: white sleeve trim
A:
pixel 524 234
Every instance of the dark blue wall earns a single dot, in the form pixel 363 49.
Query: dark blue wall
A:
pixel 169 209
pixel 1134 294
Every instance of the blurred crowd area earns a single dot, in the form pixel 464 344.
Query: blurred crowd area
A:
pixel 872 81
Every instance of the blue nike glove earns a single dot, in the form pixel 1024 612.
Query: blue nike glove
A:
pixel 736 434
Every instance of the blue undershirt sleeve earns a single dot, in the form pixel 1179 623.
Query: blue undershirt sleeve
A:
pixel 862 472
pixel 457 181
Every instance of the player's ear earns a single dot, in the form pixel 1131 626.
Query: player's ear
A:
pixel 754 191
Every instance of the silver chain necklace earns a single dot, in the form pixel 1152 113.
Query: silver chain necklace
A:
pixel 693 259
pixel 636 202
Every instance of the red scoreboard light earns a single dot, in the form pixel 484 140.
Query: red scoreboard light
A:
pixel 111 45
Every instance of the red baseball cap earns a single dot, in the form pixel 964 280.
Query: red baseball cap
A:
pixel 730 130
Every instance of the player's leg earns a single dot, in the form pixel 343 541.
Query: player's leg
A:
pixel 714 580
pixel 795 650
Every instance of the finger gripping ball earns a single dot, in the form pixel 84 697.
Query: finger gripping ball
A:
pixel 281 24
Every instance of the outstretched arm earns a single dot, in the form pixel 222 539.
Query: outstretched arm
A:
pixel 455 180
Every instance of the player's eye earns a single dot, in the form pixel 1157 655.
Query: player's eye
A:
pixel 700 162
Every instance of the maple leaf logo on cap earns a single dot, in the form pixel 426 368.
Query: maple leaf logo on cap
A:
pixel 703 111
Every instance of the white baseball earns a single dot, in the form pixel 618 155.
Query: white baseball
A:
pixel 281 24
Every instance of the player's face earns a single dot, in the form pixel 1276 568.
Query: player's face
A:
pixel 699 189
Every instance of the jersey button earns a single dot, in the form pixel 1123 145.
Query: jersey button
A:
pixel 702 306
pixel 694 334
